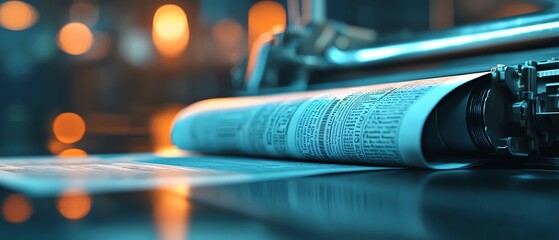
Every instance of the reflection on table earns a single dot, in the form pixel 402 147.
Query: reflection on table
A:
pixel 480 203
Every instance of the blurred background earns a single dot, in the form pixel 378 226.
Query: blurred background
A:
pixel 80 77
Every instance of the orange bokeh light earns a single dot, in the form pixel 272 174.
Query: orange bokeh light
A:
pixel 68 127
pixel 170 30
pixel 73 204
pixel 16 208
pixel 172 211
pixel 75 38
pixel 73 152
pixel 160 129
pixel 263 16
pixel 55 146
pixel 17 15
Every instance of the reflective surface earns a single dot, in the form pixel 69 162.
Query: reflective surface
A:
pixel 397 204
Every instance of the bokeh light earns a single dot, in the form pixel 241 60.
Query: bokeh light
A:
pixel 263 16
pixel 73 152
pixel 17 15
pixel 68 127
pixel 172 211
pixel 169 22
pixel 75 38
pixel 73 204
pixel 170 30
pixel 84 11
pixel 228 32
pixel 43 45
pixel 135 46
pixel 16 208
pixel 229 35
pixel 160 129
pixel 55 146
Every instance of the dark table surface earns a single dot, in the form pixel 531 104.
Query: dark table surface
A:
pixel 486 203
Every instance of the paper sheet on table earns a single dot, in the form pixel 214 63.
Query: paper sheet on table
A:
pixel 131 172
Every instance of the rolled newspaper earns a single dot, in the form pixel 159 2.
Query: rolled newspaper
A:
pixel 374 125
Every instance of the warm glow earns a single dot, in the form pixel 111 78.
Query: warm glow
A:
pixel 68 127
pixel 73 204
pixel 160 129
pixel 16 208
pixel 169 22
pixel 263 16
pixel 172 211
pixel 170 151
pixel 170 30
pixel 16 15
pixel 55 146
pixel 73 152
pixel 75 38
pixel 516 8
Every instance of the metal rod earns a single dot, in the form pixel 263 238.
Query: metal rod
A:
pixel 505 32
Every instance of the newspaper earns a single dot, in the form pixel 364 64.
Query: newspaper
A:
pixel 374 125
pixel 50 176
